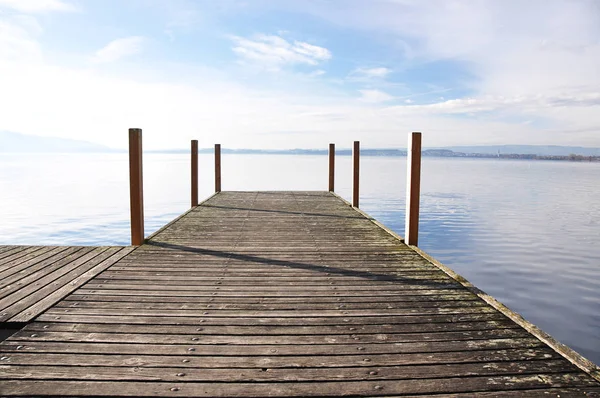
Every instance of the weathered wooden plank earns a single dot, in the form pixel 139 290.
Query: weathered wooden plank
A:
pixel 242 305
pixel 10 253
pixel 92 268
pixel 194 349
pixel 201 338
pixel 23 258
pixel 243 321
pixel 272 362
pixel 195 292
pixel 308 290
pixel 340 388
pixel 24 278
pixel 81 295
pixel 279 330
pixel 24 298
pixel 220 279
pixel 136 373
pixel 5 248
pixel 535 393
pixel 212 312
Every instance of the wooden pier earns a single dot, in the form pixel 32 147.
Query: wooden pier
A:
pixel 256 294
pixel 275 294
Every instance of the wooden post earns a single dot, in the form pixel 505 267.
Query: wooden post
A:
pixel 331 167
pixel 136 188
pixel 356 173
pixel 217 167
pixel 194 173
pixel 413 189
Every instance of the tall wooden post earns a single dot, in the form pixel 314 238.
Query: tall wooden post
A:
pixel 217 167
pixel 356 173
pixel 413 189
pixel 136 187
pixel 331 167
pixel 194 173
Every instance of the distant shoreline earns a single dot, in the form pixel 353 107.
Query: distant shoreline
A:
pixel 436 153
pixel 440 153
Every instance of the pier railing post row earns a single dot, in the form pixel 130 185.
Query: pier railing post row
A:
pixel 413 189
pixel 355 173
pixel 194 173
pixel 217 167
pixel 136 187
pixel 331 167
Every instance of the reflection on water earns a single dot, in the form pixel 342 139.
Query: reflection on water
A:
pixel 525 232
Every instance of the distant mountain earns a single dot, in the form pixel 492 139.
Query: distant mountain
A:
pixel 19 143
pixel 15 142
pixel 340 152
pixel 541 150
pixel 457 151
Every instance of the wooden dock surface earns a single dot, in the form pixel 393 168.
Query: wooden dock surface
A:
pixel 33 278
pixel 281 294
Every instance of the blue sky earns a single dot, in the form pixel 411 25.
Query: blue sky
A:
pixel 286 74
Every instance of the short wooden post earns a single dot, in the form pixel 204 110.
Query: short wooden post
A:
pixel 356 173
pixel 136 188
pixel 413 189
pixel 217 167
pixel 194 173
pixel 331 167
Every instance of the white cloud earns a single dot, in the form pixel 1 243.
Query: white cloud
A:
pixel 17 39
pixel 370 72
pixel 211 108
pixel 216 106
pixel 273 52
pixel 374 96
pixel 118 49
pixel 521 103
pixel 542 54
pixel 32 6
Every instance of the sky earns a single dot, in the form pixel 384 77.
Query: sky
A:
pixel 302 73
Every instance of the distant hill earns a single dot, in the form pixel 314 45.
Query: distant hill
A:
pixel 542 150
pixel 341 152
pixel 457 151
pixel 15 142
pixel 19 143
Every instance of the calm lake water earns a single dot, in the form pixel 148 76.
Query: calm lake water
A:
pixel 526 232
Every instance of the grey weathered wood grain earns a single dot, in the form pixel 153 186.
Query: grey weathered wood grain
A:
pixel 265 389
pixel 48 274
